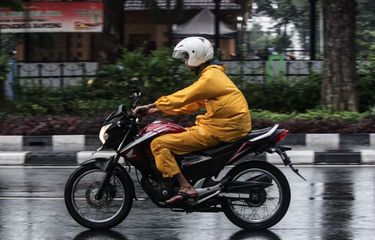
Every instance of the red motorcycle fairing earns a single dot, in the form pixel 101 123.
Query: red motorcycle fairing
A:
pixel 162 127
pixel 151 131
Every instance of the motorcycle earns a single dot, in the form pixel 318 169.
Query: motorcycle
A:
pixel 253 194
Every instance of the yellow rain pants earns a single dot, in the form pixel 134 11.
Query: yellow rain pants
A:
pixel 227 118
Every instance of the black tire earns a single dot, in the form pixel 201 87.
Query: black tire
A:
pixel 119 216
pixel 100 234
pixel 282 205
pixel 254 234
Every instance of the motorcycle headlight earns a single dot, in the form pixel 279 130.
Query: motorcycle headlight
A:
pixel 103 135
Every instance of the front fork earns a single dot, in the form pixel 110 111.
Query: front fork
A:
pixel 281 151
pixel 108 174
pixel 111 166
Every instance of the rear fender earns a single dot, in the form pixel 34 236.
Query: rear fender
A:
pixel 227 180
pixel 102 164
pixel 246 162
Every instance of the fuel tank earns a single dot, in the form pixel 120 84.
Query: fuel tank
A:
pixel 151 131
pixel 162 127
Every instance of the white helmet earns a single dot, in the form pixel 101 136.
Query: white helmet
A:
pixel 195 51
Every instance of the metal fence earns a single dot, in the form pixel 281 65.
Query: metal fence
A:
pixel 61 74
pixel 260 71
pixel 58 74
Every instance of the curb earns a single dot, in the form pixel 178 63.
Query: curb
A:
pixel 340 157
pixel 56 141
pixel 330 140
pixel 76 143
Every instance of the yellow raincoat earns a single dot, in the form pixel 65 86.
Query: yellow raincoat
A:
pixel 227 118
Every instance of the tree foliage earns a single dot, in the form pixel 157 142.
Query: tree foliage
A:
pixel 168 15
pixel 3 75
pixel 13 4
pixel 365 29
pixel 112 31
pixel 173 9
pixel 285 12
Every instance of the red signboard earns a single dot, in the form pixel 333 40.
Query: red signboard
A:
pixel 53 17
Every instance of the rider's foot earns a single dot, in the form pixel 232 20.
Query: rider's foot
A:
pixel 183 193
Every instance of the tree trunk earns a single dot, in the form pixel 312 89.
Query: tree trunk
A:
pixel 110 38
pixel 339 87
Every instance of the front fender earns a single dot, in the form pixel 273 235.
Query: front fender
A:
pixel 101 163
pixel 125 173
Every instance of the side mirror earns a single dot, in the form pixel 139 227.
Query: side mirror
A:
pixel 135 98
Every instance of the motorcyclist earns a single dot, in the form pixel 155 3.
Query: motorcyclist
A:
pixel 227 116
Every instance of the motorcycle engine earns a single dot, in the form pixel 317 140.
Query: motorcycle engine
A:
pixel 158 191
pixel 164 190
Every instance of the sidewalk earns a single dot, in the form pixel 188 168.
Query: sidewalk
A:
pixel 75 149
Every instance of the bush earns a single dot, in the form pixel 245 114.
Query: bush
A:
pixel 366 85
pixel 313 114
pixel 298 95
pixel 156 74
pixel 317 121
pixel 3 66
pixel 292 95
pixel 3 75
pixel 77 100
pixel 159 74
pixel 313 121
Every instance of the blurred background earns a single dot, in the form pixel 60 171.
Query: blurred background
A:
pixel 74 61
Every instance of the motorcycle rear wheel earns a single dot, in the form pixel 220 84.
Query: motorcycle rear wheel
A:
pixel 270 204
pixel 94 213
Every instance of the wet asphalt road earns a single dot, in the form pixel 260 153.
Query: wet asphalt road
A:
pixel 336 203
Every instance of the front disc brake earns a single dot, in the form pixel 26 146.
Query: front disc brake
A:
pixel 107 198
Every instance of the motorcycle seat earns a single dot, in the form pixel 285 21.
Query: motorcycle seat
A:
pixel 257 132
pixel 226 147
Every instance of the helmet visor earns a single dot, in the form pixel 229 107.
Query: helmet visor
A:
pixel 178 54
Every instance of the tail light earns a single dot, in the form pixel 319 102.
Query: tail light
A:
pixel 282 135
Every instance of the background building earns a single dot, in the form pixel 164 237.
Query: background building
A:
pixel 142 26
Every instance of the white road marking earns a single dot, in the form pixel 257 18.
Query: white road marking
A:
pixel 36 167
pixel 230 166
pixel 48 198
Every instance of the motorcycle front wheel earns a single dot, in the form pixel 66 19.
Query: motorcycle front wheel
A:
pixel 91 212
pixel 257 207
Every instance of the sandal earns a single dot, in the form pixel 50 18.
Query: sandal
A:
pixel 181 196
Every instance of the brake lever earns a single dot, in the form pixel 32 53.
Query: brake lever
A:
pixel 140 113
